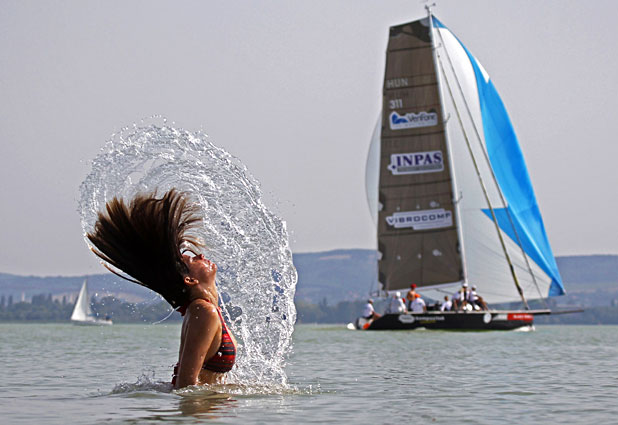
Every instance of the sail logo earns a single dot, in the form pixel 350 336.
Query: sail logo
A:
pixel 412 120
pixel 421 220
pixel 416 163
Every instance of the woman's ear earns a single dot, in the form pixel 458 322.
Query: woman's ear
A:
pixel 190 281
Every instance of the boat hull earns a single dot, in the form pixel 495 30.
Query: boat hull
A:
pixel 460 321
pixel 92 322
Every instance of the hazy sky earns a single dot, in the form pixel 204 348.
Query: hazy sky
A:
pixel 292 88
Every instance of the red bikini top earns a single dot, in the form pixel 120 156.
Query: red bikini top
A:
pixel 225 357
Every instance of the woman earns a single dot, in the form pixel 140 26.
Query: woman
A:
pixel 144 239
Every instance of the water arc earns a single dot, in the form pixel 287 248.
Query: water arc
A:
pixel 249 243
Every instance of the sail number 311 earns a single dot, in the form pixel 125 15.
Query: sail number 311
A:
pixel 395 103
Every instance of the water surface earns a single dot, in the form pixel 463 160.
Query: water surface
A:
pixel 60 373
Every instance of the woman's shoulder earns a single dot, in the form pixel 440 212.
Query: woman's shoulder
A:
pixel 202 308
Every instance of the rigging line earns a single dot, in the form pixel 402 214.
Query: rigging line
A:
pixel 493 175
pixel 484 189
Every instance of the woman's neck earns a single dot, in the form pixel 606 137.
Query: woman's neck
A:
pixel 206 291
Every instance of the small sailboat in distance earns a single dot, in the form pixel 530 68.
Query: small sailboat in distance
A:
pixel 449 191
pixel 82 313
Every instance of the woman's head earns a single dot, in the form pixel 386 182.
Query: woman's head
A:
pixel 199 267
pixel 200 273
pixel 144 239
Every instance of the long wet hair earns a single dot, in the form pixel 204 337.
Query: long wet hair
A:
pixel 144 239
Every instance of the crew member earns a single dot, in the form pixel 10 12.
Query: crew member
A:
pixel 460 298
pixel 411 296
pixel 475 300
pixel 369 312
pixel 418 305
pixel 447 305
pixel 396 304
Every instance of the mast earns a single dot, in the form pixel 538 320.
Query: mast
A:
pixel 483 187
pixel 448 147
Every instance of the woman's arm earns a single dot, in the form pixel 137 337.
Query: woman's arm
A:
pixel 202 326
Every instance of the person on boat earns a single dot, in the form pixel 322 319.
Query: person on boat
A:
pixel 475 300
pixel 395 304
pixel 460 298
pixel 418 305
pixel 411 296
pixel 447 305
pixel 369 312
pixel 456 300
pixel 149 240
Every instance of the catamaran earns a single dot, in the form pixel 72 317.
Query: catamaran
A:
pixel 449 190
pixel 82 313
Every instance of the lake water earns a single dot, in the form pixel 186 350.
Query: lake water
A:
pixel 60 373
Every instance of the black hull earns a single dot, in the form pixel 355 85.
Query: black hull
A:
pixel 450 320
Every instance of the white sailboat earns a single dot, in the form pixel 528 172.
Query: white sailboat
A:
pixel 449 190
pixel 82 314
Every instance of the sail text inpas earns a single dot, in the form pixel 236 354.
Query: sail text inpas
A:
pixel 416 162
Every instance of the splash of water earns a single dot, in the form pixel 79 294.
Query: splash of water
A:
pixel 256 277
pixel 147 383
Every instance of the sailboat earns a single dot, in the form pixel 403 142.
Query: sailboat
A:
pixel 449 190
pixel 82 314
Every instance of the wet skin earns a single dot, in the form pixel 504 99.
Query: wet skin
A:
pixel 201 328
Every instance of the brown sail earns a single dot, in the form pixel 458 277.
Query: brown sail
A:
pixel 417 234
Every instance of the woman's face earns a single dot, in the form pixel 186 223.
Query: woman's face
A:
pixel 200 268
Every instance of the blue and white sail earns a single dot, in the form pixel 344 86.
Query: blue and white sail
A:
pixel 449 136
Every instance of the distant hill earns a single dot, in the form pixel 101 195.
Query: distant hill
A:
pixel 348 275
pixel 343 274
pixel 58 286
pixel 333 276
pixel 590 280
pixel 588 270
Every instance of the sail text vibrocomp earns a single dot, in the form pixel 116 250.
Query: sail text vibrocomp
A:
pixel 425 219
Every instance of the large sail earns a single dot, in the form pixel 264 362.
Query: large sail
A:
pixel 455 199
pixel 483 132
pixel 417 235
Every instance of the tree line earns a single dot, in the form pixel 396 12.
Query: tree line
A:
pixel 43 308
